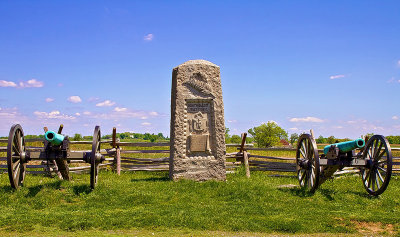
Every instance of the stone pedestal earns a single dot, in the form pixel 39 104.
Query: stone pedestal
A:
pixel 197 123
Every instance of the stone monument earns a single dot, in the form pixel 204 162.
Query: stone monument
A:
pixel 197 123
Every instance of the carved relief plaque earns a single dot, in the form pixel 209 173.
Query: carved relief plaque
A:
pixel 197 122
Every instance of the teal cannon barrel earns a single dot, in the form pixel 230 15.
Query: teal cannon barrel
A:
pixel 345 147
pixel 54 138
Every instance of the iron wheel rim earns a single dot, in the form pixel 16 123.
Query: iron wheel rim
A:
pixel 307 153
pixel 376 174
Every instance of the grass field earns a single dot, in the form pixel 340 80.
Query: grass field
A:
pixel 143 203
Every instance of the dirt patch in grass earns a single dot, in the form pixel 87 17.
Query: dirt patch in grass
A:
pixel 373 227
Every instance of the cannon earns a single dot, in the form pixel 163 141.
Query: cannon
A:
pixel 373 159
pixel 56 150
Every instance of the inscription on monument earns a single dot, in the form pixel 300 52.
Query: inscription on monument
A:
pixel 199 143
pixel 198 107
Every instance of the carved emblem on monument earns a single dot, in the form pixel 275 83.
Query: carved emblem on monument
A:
pixel 198 124
pixel 198 81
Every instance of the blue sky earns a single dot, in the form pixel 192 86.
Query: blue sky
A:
pixel 333 66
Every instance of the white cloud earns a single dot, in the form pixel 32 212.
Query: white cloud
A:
pixel 153 113
pixel 52 115
pixel 49 100
pixel 146 124
pixel 75 99
pixel 148 37
pixel 143 117
pixel 87 113
pixel 307 119
pixel 293 129
pixel 7 84
pixel 31 83
pixel 77 114
pixel 120 109
pixel 22 84
pixel 398 63
pixel 232 121
pixel 105 103
pixel 395 117
pixel 337 76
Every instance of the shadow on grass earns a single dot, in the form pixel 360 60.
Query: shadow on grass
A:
pixel 327 193
pixel 297 191
pixel 152 179
pixel 7 189
pixel 364 195
pixel 34 190
pixel 82 189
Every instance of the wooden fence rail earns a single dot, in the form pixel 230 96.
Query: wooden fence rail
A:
pixel 135 156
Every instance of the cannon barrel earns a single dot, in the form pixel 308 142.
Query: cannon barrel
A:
pixel 54 138
pixel 345 147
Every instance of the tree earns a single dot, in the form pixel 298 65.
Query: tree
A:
pixel 331 140
pixel 321 139
pixel 267 135
pixel 293 138
pixel 77 137
pixel 236 139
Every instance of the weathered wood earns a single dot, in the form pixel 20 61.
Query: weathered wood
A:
pixel 143 162
pixel 271 169
pixel 163 159
pixel 147 169
pixel 246 161
pixel 118 157
pixel 143 151
pixel 270 149
pixel 145 166
pixel 244 135
pixel 272 157
pixel 143 144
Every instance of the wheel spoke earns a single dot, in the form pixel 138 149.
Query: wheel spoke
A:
pixel 302 153
pixel 369 178
pixel 303 175
pixel 369 155
pixel 304 149
pixel 377 151
pixel 380 176
pixel 377 181
pixel 381 154
pixel 375 148
pixel 17 162
pixel 17 171
pixel 383 169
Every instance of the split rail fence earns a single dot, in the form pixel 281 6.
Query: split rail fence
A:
pixel 143 156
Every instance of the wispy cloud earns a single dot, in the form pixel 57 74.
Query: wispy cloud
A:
pixel 22 84
pixel 4 83
pixel 395 117
pixel 75 99
pixel 148 37
pixel 145 124
pixel 120 109
pixel 398 63
pixel 52 115
pixel 337 76
pixel 307 119
pixel 48 100
pixel 106 103
pixel 31 83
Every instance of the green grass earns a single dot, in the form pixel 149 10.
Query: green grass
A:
pixel 144 202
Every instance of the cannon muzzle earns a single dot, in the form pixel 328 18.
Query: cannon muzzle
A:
pixel 345 147
pixel 54 138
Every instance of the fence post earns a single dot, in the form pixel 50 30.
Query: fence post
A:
pixel 118 154
pixel 245 155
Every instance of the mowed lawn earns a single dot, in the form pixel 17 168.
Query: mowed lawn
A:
pixel 146 203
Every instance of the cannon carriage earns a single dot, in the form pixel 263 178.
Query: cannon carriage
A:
pixel 373 159
pixel 56 151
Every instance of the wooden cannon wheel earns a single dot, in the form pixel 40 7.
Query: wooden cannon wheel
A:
pixel 378 169
pixel 16 156
pixel 95 158
pixel 307 162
